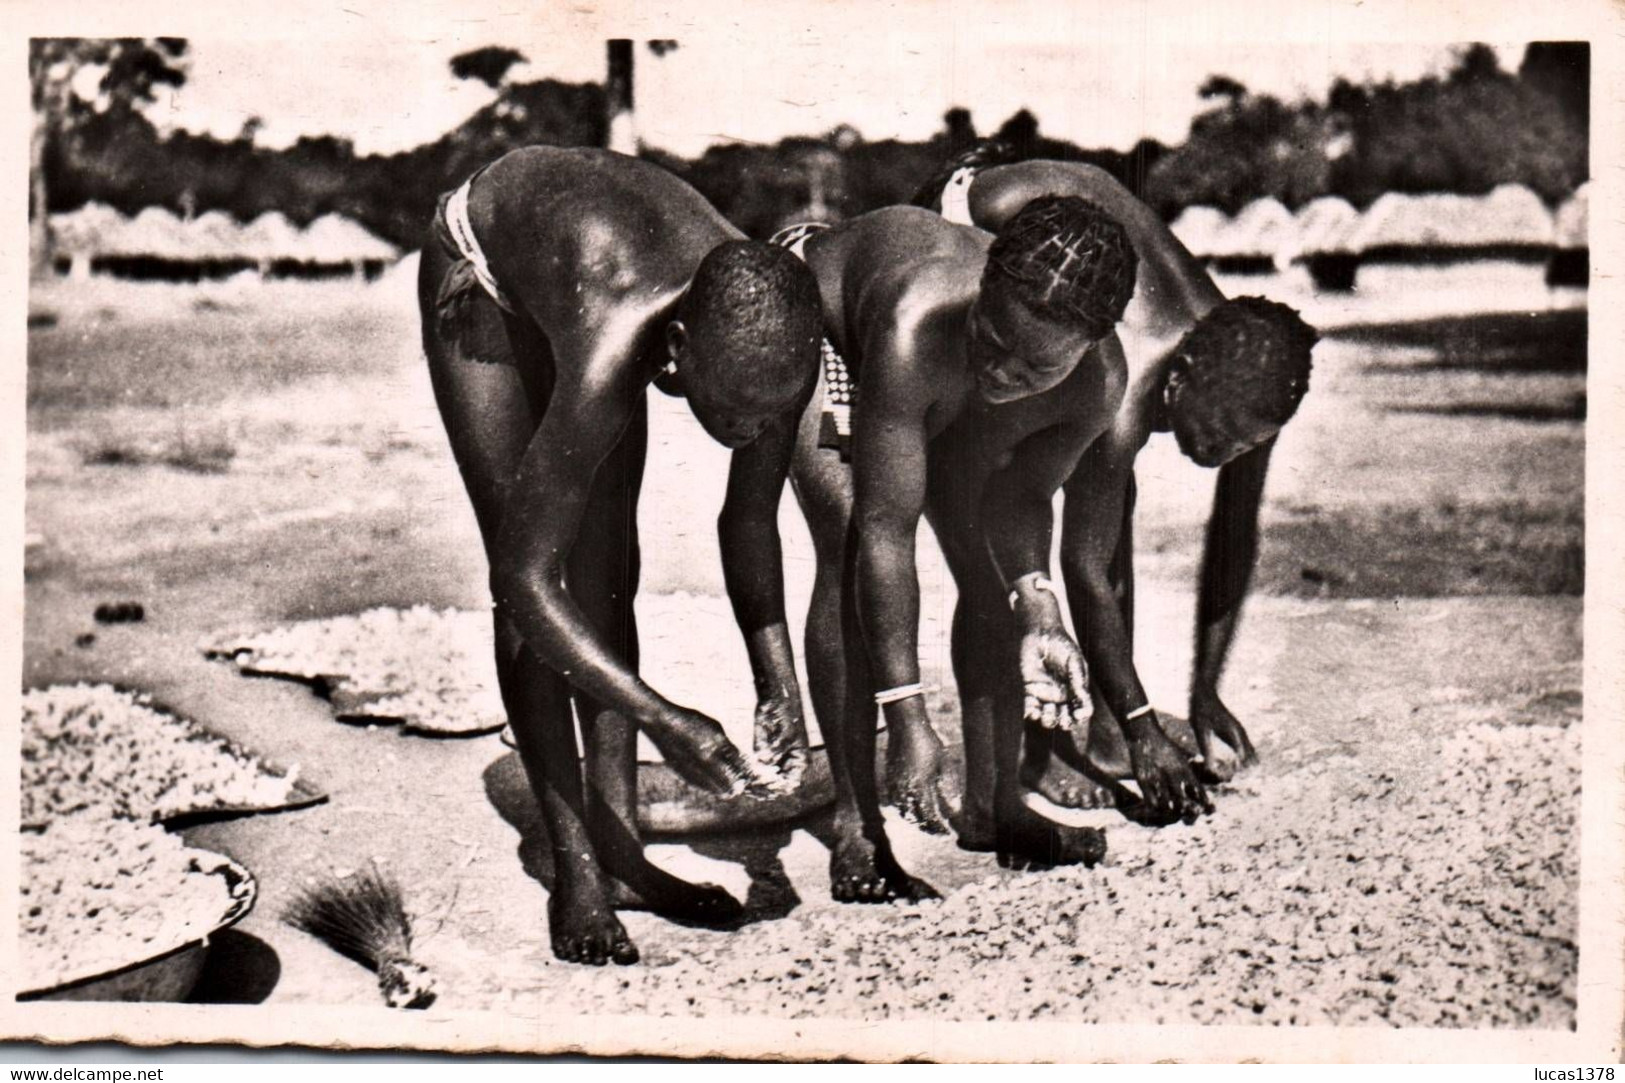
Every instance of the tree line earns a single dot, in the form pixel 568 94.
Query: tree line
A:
pixel 1465 131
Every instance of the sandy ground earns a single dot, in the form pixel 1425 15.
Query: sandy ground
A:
pixel 1410 671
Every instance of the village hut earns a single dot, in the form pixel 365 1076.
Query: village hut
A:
pixel 1509 223
pixel 1571 259
pixel 1198 229
pixel 1256 240
pixel 152 245
pixel 78 237
pixel 1323 229
pixel 334 244
pixel 270 240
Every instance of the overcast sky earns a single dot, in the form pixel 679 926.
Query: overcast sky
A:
pixel 886 83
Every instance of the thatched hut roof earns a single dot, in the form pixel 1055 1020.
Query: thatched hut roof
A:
pixel 271 236
pixel 1324 225
pixel 154 233
pixel 90 230
pixel 1572 225
pixel 1514 214
pixel 1198 228
pixel 214 235
pixel 334 238
pixel 1263 228
pixel 1511 215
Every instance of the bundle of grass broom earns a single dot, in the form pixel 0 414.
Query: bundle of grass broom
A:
pixel 363 917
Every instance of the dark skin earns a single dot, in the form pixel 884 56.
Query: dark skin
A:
pixel 549 428
pixel 972 412
pixel 1173 293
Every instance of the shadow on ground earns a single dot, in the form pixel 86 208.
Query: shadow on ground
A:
pixel 241 969
pixel 771 894
pixel 1512 342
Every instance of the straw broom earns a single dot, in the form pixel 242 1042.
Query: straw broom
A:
pixel 364 918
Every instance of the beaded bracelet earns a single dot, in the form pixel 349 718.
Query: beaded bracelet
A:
pixel 901 692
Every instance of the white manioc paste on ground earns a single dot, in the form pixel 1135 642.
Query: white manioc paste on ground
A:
pixel 429 669
pixel 98 894
pixel 95 747
pixel 1336 894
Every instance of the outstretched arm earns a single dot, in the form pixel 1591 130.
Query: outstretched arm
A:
pixel 539 527
pixel 890 437
pixel 583 422
pixel 1228 558
pixel 753 569
pixel 889 483
pixel 1093 518
pixel 1019 514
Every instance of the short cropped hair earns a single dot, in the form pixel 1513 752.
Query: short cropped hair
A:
pixel 1069 261
pixel 754 322
pixel 1251 350
pixel 984 152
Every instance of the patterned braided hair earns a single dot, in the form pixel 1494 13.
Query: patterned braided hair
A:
pixel 1251 350
pixel 1069 261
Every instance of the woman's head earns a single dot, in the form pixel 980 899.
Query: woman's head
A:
pixel 1058 278
pixel 1237 378
pixel 745 338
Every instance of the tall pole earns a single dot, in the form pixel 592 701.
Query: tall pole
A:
pixel 623 135
pixel 39 226
pixel 50 92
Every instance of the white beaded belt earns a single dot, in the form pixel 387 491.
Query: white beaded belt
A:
pixel 462 233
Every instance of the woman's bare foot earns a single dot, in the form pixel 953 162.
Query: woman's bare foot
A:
pixel 582 924
pixel 1054 778
pixel 863 872
pixel 1025 840
pixel 1107 753
pixel 654 889
pixel 1065 787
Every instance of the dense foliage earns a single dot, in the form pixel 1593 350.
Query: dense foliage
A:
pixel 1467 131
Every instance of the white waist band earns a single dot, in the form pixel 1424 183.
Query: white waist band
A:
pixel 956 197
pixel 462 232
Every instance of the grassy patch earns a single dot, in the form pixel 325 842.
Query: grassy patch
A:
pixel 1426 552
pixel 1570 408
pixel 209 354
pixel 1401 552
pixel 196 453
pixel 1495 342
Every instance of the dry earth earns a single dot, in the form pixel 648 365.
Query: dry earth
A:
pixel 1410 670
